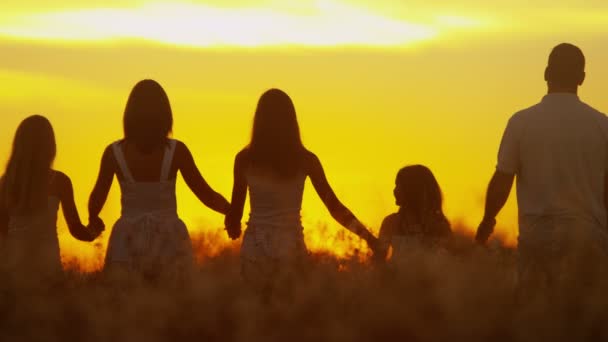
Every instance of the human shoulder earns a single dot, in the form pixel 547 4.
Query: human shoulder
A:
pixel 60 177
pixel 311 161
pixel 109 152
pixel 242 161
pixel 180 147
pixel 108 159
pixel 390 223
pixel 391 219
pixel 178 144
pixel 243 156
pixel 60 183
pixel 590 109
pixel 522 115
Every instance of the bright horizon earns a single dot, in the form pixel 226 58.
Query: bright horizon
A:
pixel 376 84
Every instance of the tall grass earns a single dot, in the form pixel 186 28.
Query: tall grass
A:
pixel 467 294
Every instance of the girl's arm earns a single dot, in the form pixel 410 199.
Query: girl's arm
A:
pixel 3 223
pixel 239 194
pixel 337 210
pixel 66 197
pixel 99 195
pixel 197 183
pixel 384 238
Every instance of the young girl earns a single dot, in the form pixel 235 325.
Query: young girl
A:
pixel 420 220
pixel 149 235
pixel 30 195
pixel 273 168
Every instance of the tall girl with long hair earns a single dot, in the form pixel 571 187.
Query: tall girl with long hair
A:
pixel 30 195
pixel 273 167
pixel 149 237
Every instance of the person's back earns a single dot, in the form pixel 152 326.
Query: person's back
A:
pixel 31 240
pixel 558 150
pixel 30 195
pixel 145 198
pixel 273 168
pixel 563 150
pixel 275 201
pixel 149 236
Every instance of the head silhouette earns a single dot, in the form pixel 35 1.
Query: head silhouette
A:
pixel 566 67
pixel 148 119
pixel 276 145
pixel 417 190
pixel 24 185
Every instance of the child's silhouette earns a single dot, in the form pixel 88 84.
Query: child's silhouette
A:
pixel 420 219
pixel 30 195
pixel 149 236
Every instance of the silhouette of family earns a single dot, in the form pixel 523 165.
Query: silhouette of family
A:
pixel 557 150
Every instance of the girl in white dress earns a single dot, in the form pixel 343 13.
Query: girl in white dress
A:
pixel 273 168
pixel 420 222
pixel 149 237
pixel 30 195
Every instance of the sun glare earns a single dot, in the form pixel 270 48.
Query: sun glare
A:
pixel 332 23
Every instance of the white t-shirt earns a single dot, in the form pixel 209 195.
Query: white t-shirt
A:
pixel 558 150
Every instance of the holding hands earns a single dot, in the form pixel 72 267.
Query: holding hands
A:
pixel 233 228
pixel 95 227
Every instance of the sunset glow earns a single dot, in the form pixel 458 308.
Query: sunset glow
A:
pixel 377 84
pixel 329 24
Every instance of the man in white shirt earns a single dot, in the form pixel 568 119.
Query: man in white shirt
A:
pixel 558 150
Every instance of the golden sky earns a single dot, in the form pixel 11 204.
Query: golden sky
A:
pixel 377 84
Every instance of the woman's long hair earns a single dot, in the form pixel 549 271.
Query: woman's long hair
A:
pixel 420 193
pixel 148 119
pixel 276 145
pixel 25 183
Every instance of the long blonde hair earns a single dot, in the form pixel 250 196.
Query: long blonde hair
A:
pixel 24 185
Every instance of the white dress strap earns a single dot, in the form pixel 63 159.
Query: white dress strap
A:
pixel 167 161
pixel 122 163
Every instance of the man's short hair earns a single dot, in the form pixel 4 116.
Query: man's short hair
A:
pixel 566 65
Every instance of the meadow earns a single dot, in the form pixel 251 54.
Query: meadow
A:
pixel 466 293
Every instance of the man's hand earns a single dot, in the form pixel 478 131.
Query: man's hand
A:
pixel 485 229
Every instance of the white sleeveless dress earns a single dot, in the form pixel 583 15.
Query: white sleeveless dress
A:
pixel 149 234
pixel 274 231
pixel 32 245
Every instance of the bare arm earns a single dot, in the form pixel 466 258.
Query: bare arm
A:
pixel 99 195
pixel 337 210
pixel 197 183
pixel 239 194
pixel 606 193
pixel 497 195
pixel 70 212
pixel 384 239
pixel 3 223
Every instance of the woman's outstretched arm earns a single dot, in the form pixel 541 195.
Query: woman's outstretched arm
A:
pixel 197 183
pixel 99 195
pixel 3 223
pixel 337 210
pixel 239 194
pixel 70 212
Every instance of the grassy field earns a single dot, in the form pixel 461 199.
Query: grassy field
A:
pixel 466 294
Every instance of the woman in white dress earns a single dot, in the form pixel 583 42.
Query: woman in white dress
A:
pixel 273 167
pixel 149 237
pixel 30 195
